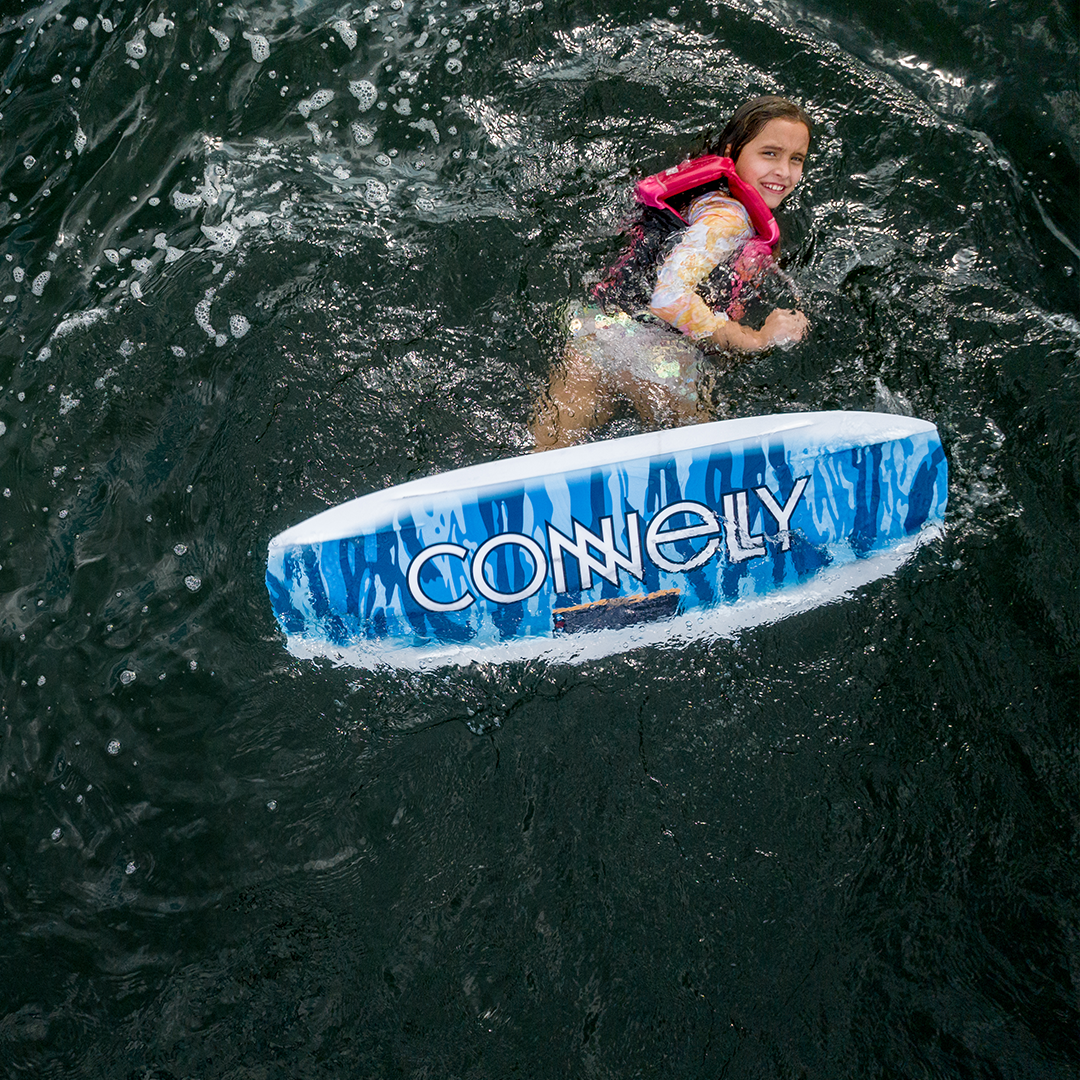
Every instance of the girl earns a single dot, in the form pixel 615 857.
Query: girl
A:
pixel 608 355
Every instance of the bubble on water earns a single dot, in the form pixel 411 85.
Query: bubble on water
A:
pixel 193 665
pixel 361 133
pixel 272 804
pixel 18 273
pixel 453 65
pixel 172 254
pixel 161 26
pixel 403 106
pixel 427 125
pixel 41 680
pixel 238 326
pixel 136 290
pixel 178 350
pixel 375 192
pixel 3 430
pixel 142 265
pixel 425 204
pixel 127 677
pixel 346 33
pixel 202 312
pixel 37 287
pixel 260 47
pixel 57 834
pixel 221 39
pixel 193 583
pixel 364 92
pixel 81 23
pixel 112 255
pixel 453 45
pixel 80 140
pixel 114 747
pixel 106 24
pixel 136 47
pixel 67 403
pixel 180 549
pixel 130 868
pixel 29 161
pixel 223 237
pixel 161 241
pixel 319 100
pixel 182 201
pixel 383 160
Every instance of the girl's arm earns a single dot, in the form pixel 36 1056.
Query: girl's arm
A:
pixel 712 238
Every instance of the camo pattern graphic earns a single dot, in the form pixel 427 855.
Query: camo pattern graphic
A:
pixel 719 524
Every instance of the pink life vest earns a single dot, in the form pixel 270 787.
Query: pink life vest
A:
pixel 655 191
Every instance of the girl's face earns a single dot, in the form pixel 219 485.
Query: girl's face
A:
pixel 772 162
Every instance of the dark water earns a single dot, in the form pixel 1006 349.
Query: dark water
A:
pixel 841 846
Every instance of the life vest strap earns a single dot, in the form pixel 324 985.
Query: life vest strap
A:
pixel 656 190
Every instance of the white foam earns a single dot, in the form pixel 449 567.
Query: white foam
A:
pixel 260 47
pixel 376 192
pixel 319 100
pixel 136 47
pixel 202 312
pixel 78 322
pixel 346 33
pixel 223 237
pixel 364 92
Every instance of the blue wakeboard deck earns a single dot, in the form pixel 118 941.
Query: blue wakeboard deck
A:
pixel 579 553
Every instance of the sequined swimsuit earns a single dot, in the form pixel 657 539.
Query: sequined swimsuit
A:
pixel 620 345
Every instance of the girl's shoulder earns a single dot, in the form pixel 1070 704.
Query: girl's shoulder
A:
pixel 719 206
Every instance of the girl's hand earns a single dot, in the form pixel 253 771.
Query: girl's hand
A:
pixel 783 325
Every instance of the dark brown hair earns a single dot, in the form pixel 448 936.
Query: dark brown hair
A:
pixel 751 117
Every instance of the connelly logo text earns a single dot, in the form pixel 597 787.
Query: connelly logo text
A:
pixel 598 553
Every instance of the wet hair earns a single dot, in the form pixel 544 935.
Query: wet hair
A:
pixel 628 284
pixel 750 118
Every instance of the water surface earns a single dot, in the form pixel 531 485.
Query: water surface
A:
pixel 258 260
